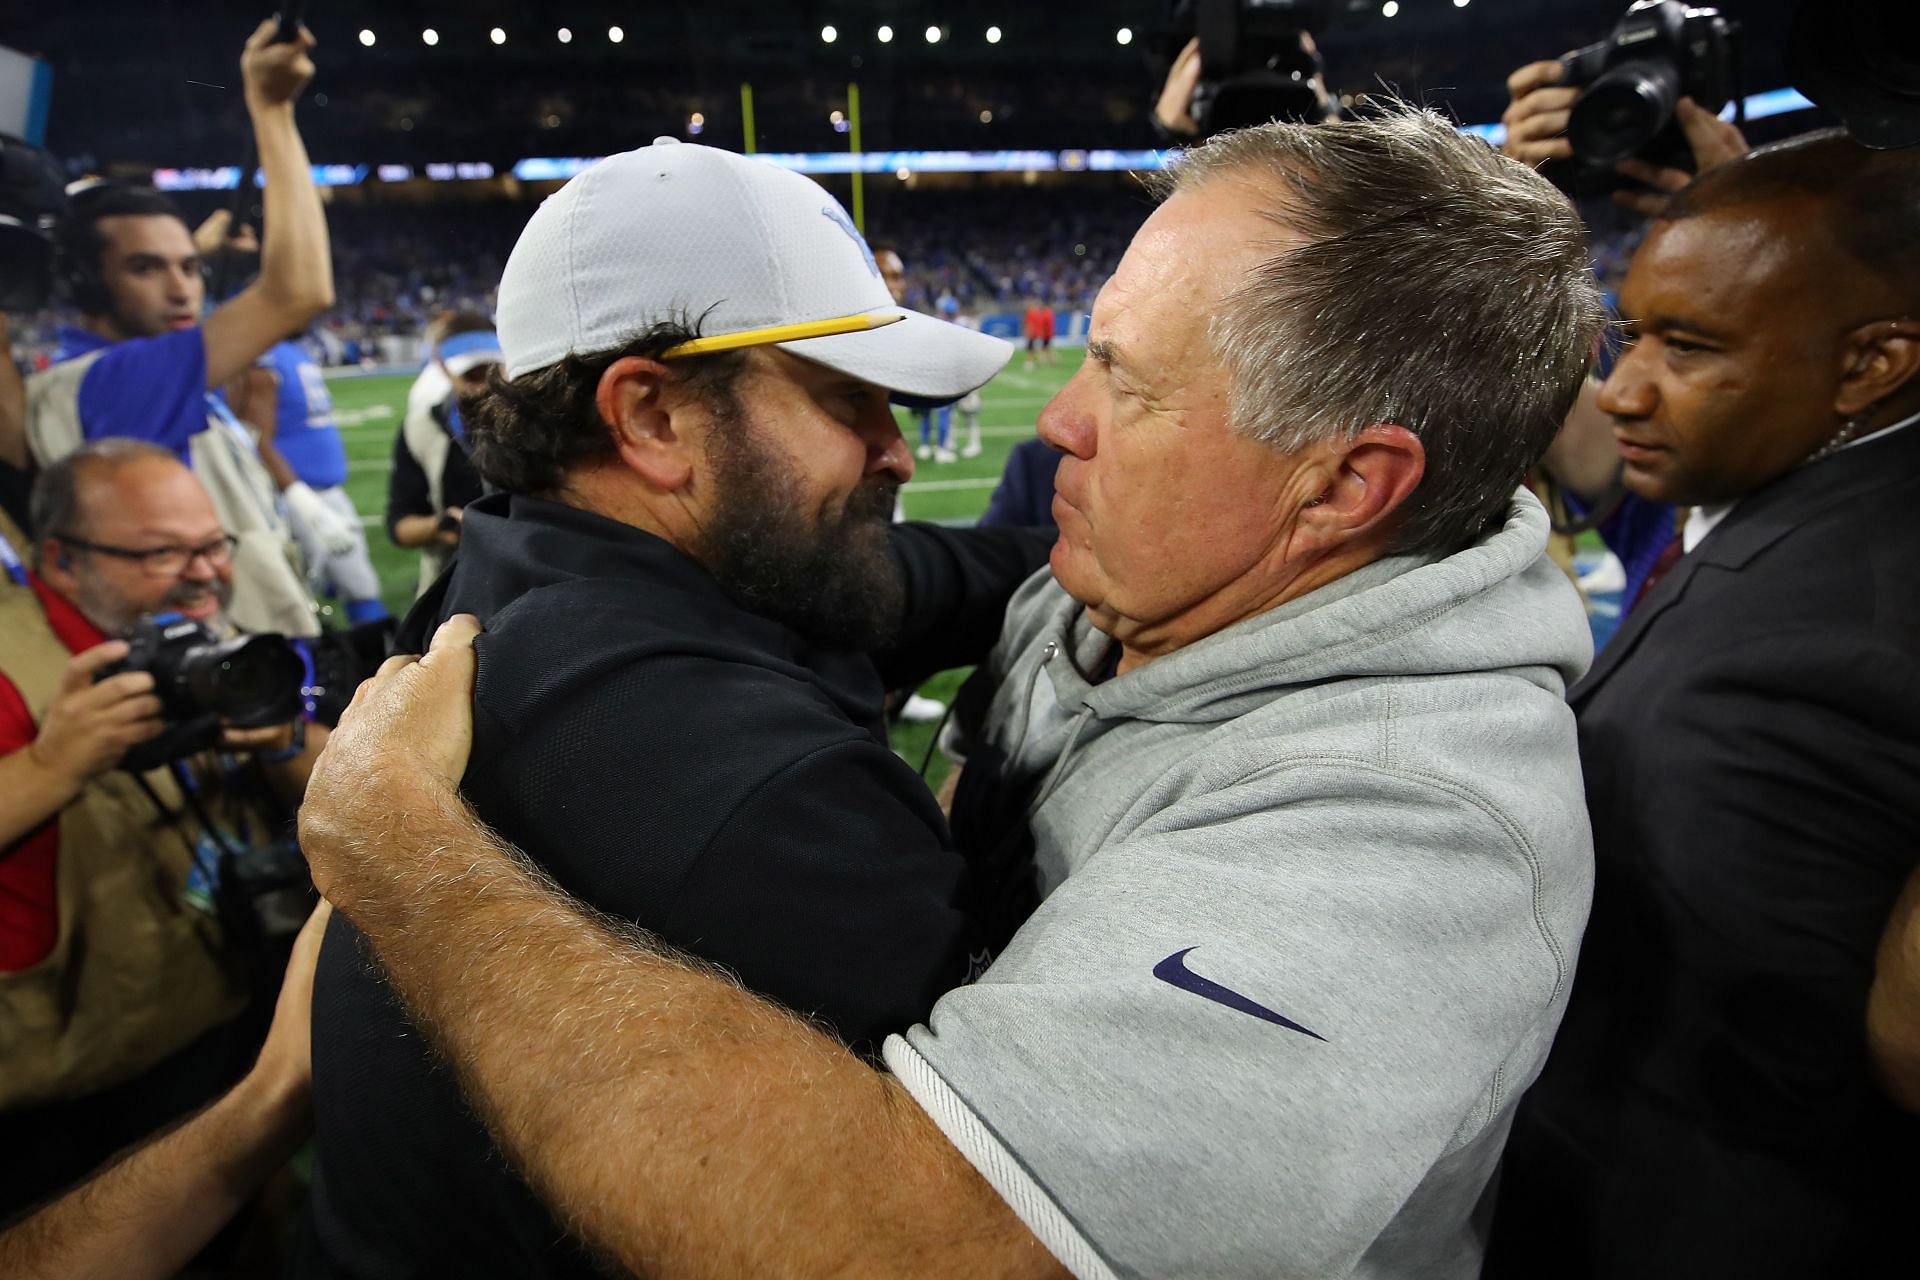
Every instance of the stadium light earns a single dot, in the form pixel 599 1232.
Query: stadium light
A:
pixel 366 37
pixel 993 35
pixel 429 37
pixel 1390 8
pixel 986 117
pixel 1124 35
pixel 616 35
pixel 828 35
pixel 1459 4
pixel 565 35
pixel 884 35
pixel 497 36
pixel 933 35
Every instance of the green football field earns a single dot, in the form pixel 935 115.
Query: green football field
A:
pixel 369 409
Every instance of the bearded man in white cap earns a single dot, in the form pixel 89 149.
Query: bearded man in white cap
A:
pixel 687 565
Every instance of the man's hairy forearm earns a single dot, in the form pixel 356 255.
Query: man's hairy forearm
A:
pixel 677 1122
pixel 147 1215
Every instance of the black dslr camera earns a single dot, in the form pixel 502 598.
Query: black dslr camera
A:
pixel 1256 64
pixel 32 194
pixel 1631 82
pixel 204 682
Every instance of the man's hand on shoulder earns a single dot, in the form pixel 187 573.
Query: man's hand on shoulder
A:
pixel 402 743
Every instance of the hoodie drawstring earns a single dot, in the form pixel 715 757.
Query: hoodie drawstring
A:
pixel 1060 766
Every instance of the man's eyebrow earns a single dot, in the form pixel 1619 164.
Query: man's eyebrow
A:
pixel 1676 324
pixel 1105 352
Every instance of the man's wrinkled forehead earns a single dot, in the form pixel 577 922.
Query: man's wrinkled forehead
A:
pixel 1184 262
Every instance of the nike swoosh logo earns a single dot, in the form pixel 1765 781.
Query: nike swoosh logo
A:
pixel 1173 971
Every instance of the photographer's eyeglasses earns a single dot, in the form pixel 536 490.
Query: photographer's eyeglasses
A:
pixel 163 562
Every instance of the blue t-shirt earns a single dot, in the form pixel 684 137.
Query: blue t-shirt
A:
pixel 304 429
pixel 147 388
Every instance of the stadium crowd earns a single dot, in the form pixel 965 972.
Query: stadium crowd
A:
pixel 1311 899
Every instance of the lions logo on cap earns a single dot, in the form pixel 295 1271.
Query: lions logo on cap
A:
pixel 838 218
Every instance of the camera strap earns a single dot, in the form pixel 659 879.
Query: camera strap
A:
pixel 172 818
pixel 10 562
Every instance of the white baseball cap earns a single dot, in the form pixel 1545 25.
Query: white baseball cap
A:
pixel 752 253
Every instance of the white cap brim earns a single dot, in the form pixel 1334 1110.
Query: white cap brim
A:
pixel 919 356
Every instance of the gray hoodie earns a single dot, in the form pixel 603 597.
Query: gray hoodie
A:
pixel 1313 889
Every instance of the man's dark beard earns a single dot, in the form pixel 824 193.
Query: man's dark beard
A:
pixel 825 574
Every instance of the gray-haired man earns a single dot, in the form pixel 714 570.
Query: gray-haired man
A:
pixel 1282 735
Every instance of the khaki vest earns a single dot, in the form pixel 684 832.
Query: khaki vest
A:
pixel 428 442
pixel 136 972
pixel 269 593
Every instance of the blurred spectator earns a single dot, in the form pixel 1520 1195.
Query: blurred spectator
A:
pixel 433 477
pixel 287 402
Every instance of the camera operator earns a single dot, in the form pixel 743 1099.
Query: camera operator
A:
pixel 144 363
pixel 119 984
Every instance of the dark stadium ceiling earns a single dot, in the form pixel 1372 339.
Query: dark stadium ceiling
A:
pixel 719 29
pixel 152 80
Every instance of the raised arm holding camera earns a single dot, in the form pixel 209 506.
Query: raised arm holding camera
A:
pixel 123 962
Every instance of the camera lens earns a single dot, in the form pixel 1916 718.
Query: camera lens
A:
pixel 254 681
pixel 1622 111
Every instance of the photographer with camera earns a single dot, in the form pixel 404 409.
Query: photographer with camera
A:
pixel 144 363
pixel 122 953
pixel 433 477
pixel 1536 121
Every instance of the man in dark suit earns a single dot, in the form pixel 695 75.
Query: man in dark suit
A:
pixel 1751 741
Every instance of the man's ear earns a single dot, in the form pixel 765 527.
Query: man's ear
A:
pixel 630 400
pixel 1367 480
pixel 56 565
pixel 1876 361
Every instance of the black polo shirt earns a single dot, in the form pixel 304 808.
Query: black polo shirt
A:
pixel 679 762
